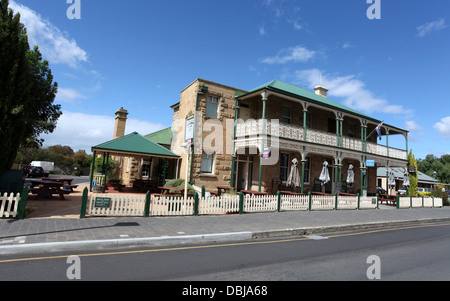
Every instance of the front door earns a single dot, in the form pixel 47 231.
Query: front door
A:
pixel 242 177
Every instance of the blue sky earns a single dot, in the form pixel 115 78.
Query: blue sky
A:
pixel 140 55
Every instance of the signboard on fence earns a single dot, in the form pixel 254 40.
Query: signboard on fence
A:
pixel 370 163
pixel 102 202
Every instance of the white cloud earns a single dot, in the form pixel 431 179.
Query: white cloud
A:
pixel 412 126
pixel 426 28
pixel 443 127
pixel 262 31
pixel 53 44
pixel 351 89
pixel 82 131
pixel 68 95
pixel 291 54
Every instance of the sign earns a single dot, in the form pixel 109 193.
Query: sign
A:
pixel 102 202
pixel 189 130
pixel 370 163
pixel 266 153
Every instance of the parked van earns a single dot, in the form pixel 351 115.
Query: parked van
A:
pixel 46 166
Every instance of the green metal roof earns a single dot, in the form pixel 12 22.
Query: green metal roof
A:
pixel 134 143
pixel 161 137
pixel 289 89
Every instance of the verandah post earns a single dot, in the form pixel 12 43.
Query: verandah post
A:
pixel 397 202
pixel 335 201
pixel 83 203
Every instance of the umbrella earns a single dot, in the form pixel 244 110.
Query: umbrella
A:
pixel 350 175
pixel 406 179
pixel 294 176
pixel 391 180
pixel 324 176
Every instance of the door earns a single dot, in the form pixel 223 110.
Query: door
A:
pixel 242 177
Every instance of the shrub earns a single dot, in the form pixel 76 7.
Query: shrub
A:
pixel 178 183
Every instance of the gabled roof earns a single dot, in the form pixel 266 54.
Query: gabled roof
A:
pixel 285 88
pixel 134 144
pixel 399 173
pixel 161 137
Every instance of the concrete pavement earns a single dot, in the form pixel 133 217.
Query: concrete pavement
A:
pixel 53 227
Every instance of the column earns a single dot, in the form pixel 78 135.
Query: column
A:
pixel 233 155
pixel 263 118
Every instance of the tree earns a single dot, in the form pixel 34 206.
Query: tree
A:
pixel 413 178
pixel 27 90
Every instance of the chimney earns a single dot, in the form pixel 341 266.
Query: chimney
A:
pixel 322 91
pixel 121 119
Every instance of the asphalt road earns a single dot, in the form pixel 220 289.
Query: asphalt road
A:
pixel 416 252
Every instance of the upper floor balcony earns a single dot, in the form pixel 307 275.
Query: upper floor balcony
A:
pixel 296 133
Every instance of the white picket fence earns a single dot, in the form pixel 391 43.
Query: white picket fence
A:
pixel 9 204
pixel 417 202
pixel 134 205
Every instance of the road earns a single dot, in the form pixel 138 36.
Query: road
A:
pixel 416 252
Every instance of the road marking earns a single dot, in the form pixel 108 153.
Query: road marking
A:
pixel 223 245
pixel 316 237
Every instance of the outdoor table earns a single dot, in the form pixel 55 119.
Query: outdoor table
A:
pixel 224 188
pixel 291 192
pixel 166 189
pixel 45 187
pixel 253 192
pixel 62 181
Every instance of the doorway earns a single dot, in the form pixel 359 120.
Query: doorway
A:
pixel 243 172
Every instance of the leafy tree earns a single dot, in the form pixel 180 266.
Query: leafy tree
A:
pixel 432 164
pixel 27 90
pixel 413 178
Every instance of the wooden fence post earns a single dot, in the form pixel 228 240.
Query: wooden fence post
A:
pixel 359 199
pixel 196 204
pixel 279 201
pixel 241 202
pixel 84 203
pixel 22 204
pixel 335 201
pixel 147 204
pixel 397 202
pixel 310 200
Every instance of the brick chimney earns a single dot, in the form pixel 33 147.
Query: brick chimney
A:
pixel 121 119
pixel 322 91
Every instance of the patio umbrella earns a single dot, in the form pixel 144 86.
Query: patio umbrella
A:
pixel 294 176
pixel 324 175
pixel 406 179
pixel 391 180
pixel 350 175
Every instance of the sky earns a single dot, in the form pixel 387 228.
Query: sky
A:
pixel 387 59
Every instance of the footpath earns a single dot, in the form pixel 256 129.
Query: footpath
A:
pixel 55 226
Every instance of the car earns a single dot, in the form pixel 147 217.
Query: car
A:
pixel 381 190
pixel 403 190
pixel 34 172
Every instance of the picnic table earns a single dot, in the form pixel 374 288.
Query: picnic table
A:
pixel 224 188
pixel 45 187
pixel 115 184
pixel 320 193
pixel 346 194
pixel 165 190
pixel 247 192
pixel 67 186
pixel 388 198
pixel 291 192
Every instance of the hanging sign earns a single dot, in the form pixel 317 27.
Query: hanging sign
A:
pixel 370 163
pixel 266 153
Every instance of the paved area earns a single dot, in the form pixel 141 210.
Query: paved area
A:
pixel 55 225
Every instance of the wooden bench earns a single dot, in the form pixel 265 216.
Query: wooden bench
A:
pixel 71 187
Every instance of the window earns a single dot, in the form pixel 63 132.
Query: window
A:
pixel 285 114
pixel 284 163
pixel 212 104
pixel 307 169
pixel 207 162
